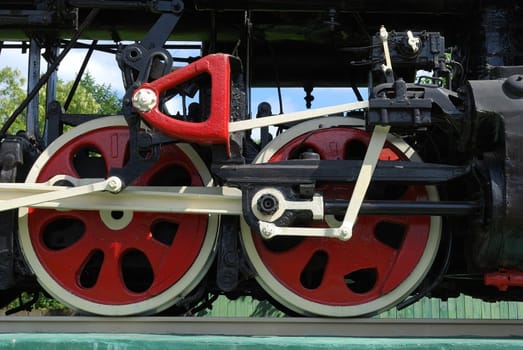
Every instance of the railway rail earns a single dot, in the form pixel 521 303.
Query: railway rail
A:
pixel 239 326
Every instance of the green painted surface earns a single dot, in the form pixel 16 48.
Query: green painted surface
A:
pixel 161 342
pixel 463 307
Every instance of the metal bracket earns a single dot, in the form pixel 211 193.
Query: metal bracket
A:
pixel 278 205
pixel 147 60
pixel 228 257
pixel 213 130
pixel 344 232
pixel 141 63
pixel 401 110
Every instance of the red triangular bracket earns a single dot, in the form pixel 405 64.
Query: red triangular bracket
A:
pixel 213 130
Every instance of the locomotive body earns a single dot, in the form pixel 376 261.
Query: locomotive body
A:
pixel 349 210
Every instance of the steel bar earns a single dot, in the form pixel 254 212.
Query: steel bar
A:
pixel 234 326
pixel 445 208
pixel 193 200
pixel 307 171
pixel 33 74
pixel 80 74
pixel 295 116
pixel 112 184
pixel 112 5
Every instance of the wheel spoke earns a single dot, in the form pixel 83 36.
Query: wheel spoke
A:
pixel 67 263
pixel 412 248
pixel 296 259
pixel 63 165
pixel 361 253
pixel 157 255
pixel 112 145
pixel 155 252
pixel 109 284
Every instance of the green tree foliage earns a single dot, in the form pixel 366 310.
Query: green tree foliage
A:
pixel 90 97
pixel 11 93
pixel 47 305
pixel 266 309
pixel 107 99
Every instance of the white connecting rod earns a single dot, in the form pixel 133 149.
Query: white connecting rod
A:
pixel 176 199
pixel 112 184
pixel 296 116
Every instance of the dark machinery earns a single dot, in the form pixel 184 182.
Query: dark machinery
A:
pixel 350 210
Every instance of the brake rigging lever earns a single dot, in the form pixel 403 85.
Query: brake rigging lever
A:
pixel 143 62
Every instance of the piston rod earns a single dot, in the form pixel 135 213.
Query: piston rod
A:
pixel 371 207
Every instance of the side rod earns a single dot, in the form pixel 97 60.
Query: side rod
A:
pixel 112 184
pixel 194 200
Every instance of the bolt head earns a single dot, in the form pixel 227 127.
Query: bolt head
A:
pixel 114 185
pixel 345 233
pixel 144 100
pixel 267 204
pixel 266 233
pixel 513 86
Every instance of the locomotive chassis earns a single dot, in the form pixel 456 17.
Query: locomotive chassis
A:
pixel 462 122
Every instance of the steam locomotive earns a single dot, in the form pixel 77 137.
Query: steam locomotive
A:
pixel 345 211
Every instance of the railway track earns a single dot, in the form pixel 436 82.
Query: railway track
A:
pixel 385 328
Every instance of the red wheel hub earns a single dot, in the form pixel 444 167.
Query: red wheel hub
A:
pixel 110 265
pixel 383 250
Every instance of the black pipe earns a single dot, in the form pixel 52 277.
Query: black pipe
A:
pixel 443 208
pixel 111 5
pixel 80 75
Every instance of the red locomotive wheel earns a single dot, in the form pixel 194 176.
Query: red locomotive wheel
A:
pixel 117 262
pixel 384 260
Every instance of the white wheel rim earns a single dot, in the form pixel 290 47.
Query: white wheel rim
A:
pixel 305 306
pixel 149 306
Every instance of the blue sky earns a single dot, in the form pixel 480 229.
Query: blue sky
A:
pixel 104 69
